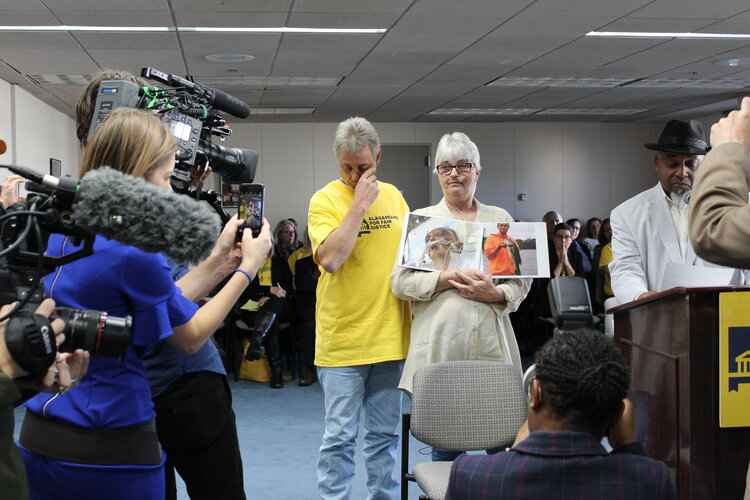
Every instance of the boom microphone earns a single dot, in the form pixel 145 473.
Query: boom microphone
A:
pixel 132 211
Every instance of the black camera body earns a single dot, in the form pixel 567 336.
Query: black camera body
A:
pixel 192 112
pixel 24 232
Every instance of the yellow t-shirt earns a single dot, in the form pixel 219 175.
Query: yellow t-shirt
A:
pixel 358 320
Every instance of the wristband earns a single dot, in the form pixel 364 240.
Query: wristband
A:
pixel 247 275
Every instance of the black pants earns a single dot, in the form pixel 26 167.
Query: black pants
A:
pixel 196 427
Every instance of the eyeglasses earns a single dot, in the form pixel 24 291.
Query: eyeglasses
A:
pixel 461 168
pixel 674 162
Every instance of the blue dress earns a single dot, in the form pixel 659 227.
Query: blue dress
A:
pixel 120 280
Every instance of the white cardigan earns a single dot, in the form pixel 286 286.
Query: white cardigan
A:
pixel 448 327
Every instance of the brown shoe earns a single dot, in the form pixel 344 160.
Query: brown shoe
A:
pixel 307 378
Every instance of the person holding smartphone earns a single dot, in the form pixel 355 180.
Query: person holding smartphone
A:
pixel 192 399
pixel 105 442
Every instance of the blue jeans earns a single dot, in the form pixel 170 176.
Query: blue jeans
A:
pixel 346 392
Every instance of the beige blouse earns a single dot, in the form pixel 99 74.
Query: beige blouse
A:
pixel 448 327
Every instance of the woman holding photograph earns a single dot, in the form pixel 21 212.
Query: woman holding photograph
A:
pixel 459 314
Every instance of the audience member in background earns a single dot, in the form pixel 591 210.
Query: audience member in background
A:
pixel 192 399
pixel 719 211
pixel 362 331
pixel 576 398
pixel 270 298
pixel 560 263
pixel 285 238
pixel 650 229
pixel 602 259
pixel 590 234
pixel 578 252
pixel 532 331
pixel 459 314
pixel 502 252
pixel 306 274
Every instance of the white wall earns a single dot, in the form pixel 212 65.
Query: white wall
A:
pixel 580 169
pixel 6 125
pixel 41 133
pixel 35 132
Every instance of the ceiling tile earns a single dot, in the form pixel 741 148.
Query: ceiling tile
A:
pixel 118 17
pixel 230 19
pixel 231 5
pixel 321 55
pixel 61 6
pixel 351 6
pixel 131 41
pixel 692 9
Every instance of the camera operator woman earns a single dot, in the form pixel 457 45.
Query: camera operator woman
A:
pixel 99 439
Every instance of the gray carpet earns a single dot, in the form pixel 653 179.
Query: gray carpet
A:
pixel 279 431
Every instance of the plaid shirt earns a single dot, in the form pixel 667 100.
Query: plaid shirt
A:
pixel 564 466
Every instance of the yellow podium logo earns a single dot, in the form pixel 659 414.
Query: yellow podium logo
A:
pixel 734 359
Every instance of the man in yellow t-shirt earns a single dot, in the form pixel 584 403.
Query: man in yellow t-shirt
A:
pixel 362 330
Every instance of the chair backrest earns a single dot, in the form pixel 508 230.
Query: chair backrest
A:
pixel 467 405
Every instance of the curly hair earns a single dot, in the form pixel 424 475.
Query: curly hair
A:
pixel 583 379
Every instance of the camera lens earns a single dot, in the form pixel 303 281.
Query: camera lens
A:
pixel 95 332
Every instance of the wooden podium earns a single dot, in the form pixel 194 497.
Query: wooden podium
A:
pixel 671 343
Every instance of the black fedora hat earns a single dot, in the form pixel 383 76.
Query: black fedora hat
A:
pixel 682 138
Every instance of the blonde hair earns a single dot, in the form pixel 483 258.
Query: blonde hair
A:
pixel 132 141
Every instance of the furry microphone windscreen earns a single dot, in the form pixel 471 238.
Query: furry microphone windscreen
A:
pixel 132 211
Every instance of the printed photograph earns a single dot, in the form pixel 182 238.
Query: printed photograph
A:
pixel 511 249
pixel 438 243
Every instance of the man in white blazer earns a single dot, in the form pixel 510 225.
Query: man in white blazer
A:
pixel 650 229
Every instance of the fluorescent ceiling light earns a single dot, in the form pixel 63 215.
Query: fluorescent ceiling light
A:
pixel 484 111
pixel 647 34
pixel 281 111
pixel 86 28
pixel 62 79
pixel 591 111
pixel 681 83
pixel 558 82
pixel 271 81
pixel 197 29
pixel 282 29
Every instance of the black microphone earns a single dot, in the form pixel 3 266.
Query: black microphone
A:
pixel 135 212
pixel 228 103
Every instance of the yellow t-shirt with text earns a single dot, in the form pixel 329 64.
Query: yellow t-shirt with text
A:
pixel 358 320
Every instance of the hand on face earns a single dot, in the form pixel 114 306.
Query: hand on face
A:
pixel 366 191
pixel 735 127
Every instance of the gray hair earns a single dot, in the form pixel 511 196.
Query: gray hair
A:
pixel 354 134
pixel 457 146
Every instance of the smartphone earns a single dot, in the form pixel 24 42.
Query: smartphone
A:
pixel 250 206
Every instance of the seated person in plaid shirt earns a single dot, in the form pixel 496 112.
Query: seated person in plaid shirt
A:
pixel 576 399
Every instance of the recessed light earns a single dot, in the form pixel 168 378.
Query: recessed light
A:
pixel 484 111
pixel 558 82
pixel 591 111
pixel 272 81
pixel 734 62
pixel 87 28
pixel 651 34
pixel 229 58
pixel 282 111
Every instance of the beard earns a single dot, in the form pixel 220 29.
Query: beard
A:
pixel 681 189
